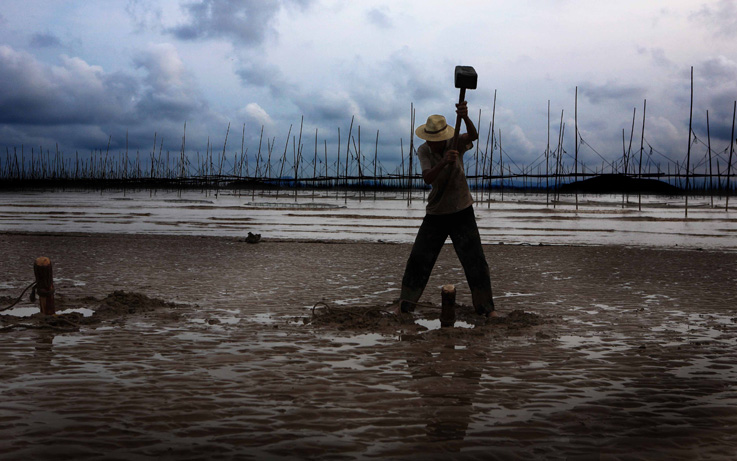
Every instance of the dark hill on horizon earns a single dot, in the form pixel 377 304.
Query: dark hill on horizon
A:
pixel 620 184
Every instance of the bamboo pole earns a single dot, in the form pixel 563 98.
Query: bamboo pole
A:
pixel 258 154
pixel 708 147
pixel 547 163
pixel 575 159
pixel 298 156
pixel 283 160
pixel 347 151
pixel 376 157
pixel 629 149
pixel 642 145
pixel 486 182
pixel 688 153
pixel 558 156
pixel 401 171
pixel 358 157
pixel 314 168
pixel 244 153
pixel 731 151
pixel 184 145
pixel 476 181
pixel 501 162
pixel 410 170
pixel 491 153
pixel 222 160
pixel 337 163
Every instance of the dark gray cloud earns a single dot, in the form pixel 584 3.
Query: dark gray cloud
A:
pixel 254 71
pixel 657 56
pixel 377 93
pixel 718 71
pixel 715 87
pixel 611 91
pixel 245 22
pixel 45 40
pixel 719 17
pixel 380 18
pixel 79 103
pixel 145 14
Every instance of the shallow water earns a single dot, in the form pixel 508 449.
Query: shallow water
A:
pixel 355 216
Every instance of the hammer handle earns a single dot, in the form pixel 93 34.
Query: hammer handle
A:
pixel 462 98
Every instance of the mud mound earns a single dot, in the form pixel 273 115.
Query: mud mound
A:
pixel 372 318
pixel 116 305
pixel 517 319
pixel 6 301
pixel 123 302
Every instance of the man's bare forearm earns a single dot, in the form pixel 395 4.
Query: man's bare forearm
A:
pixel 470 129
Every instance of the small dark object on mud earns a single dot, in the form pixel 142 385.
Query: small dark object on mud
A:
pixel 253 238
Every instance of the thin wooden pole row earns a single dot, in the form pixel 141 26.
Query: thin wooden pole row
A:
pixel 229 168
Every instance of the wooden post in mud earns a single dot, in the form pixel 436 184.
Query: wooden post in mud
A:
pixel 448 312
pixel 44 285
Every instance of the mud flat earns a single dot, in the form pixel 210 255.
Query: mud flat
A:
pixel 210 348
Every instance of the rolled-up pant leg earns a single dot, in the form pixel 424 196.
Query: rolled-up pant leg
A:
pixel 428 243
pixel 467 243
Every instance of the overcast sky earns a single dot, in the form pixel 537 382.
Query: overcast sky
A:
pixel 78 72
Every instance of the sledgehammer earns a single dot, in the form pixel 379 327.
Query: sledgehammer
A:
pixel 465 78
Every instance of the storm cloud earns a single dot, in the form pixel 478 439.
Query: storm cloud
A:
pixel 45 40
pixel 719 17
pixel 245 22
pixel 611 92
pixel 83 97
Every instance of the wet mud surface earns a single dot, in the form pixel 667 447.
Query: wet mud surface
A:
pixel 210 348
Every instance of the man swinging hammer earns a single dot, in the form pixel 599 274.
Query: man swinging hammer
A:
pixel 449 213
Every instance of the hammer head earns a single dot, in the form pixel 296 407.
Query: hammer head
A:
pixel 466 77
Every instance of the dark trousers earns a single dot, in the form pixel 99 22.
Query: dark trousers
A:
pixel 435 229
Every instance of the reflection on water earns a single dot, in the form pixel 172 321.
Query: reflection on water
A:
pixel 447 385
pixel 325 215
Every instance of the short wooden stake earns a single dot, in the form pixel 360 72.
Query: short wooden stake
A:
pixel 448 312
pixel 44 285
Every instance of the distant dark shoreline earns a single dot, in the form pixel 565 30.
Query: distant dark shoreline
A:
pixel 601 184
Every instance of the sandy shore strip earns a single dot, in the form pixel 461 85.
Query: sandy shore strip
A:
pixel 631 354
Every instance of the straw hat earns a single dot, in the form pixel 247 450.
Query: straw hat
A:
pixel 436 129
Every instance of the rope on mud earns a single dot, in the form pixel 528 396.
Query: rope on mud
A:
pixel 416 303
pixel 326 305
pixel 21 297
pixel 48 323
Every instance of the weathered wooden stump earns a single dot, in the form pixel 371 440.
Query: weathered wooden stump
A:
pixel 44 285
pixel 448 310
